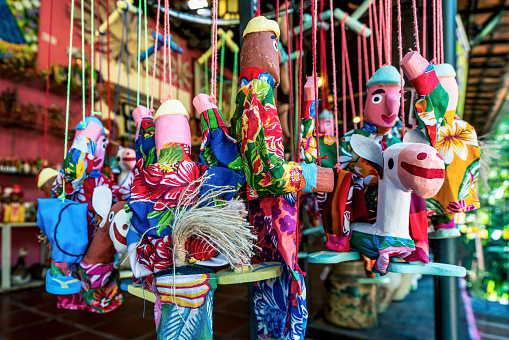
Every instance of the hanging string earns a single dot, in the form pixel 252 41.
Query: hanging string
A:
pixel 378 34
pixel 108 61
pixel 130 117
pixel 365 46
pixel 206 71
pixel 259 7
pixel 146 48
pixel 416 26
pixel 424 22
pixel 169 51
pixel 359 73
pixel 165 42
pixel 235 80
pixel 223 41
pixel 66 132
pixel 92 87
pixel 101 55
pixel 371 43
pixel 178 74
pixel 47 81
pixel 213 66
pixel 138 58
pixel 343 72
pixel 83 61
pixel 334 84
pixel 348 71
pixel 400 49
pixel 299 85
pixel 155 55
pixel 122 44
pixel 382 23
pixel 435 11
pixel 292 106
pixel 314 9
pixel 441 31
pixel 323 64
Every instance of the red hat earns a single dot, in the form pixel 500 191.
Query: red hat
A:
pixel 16 189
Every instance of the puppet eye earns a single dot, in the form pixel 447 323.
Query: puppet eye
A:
pixel 274 42
pixel 110 216
pixel 376 99
pixel 390 163
pixel 104 146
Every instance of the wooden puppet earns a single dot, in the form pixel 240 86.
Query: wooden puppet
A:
pixel 456 142
pixel 45 178
pixel 126 159
pixel 403 168
pixel 272 183
pixel 182 213
pixel 15 211
pixel 93 270
pixel 326 126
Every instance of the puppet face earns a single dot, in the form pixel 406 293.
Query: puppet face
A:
pixel 326 126
pixel 260 49
pixel 451 87
pixel 46 188
pixel 118 225
pixel 420 169
pixel 382 105
pixel 100 152
pixel 127 159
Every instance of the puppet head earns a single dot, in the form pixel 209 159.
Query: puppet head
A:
pixel 260 47
pixel 384 97
pixel 45 179
pixel 138 114
pixel 172 126
pixel 118 225
pixel 126 159
pixel 326 125
pixel 102 142
pixel 447 76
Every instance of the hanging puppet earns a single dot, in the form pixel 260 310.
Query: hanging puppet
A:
pixel 272 183
pixel 183 214
pixel 82 279
pixel 455 140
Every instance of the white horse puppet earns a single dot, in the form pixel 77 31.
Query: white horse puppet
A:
pixel 402 168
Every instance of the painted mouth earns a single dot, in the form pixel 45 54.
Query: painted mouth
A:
pixel 97 162
pixel 423 172
pixel 388 119
pixel 120 238
pixel 129 159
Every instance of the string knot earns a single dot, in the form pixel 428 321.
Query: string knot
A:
pixel 344 19
pixel 363 29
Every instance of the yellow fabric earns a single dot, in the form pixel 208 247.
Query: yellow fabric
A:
pixel 45 175
pixel 262 24
pixel 11 217
pixel 171 107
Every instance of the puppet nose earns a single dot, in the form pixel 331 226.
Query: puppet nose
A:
pixel 393 103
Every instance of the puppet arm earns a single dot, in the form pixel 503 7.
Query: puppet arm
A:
pixel 79 161
pixel 432 103
pixel 145 144
pixel 308 123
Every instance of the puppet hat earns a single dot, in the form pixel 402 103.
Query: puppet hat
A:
pixel 262 24
pixel 88 120
pixel 171 107
pixel 44 175
pixel 326 114
pixel 387 75
pixel 445 70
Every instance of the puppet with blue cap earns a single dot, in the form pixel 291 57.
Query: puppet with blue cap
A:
pixel 82 271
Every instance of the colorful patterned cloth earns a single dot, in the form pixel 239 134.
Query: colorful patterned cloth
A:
pixel 100 283
pixel 160 179
pixel 183 308
pixel 272 186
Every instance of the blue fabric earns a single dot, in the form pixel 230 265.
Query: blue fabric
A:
pixel 225 149
pixel 221 177
pixel 309 171
pixel 368 127
pixel 265 76
pixel 65 225
pixel 9 29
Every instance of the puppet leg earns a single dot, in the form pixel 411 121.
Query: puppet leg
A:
pixel 280 303
pixel 183 307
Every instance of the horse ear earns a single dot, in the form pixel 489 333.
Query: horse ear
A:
pixel 367 149
pixel 415 136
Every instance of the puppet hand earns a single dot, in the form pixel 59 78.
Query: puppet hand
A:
pixel 413 64
pixel 93 131
pixel 324 180
pixel 309 87
pixel 203 102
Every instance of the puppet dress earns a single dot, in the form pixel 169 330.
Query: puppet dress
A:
pixel 272 186
pixel 100 282
pixel 159 180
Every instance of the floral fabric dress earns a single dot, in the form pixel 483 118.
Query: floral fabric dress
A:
pixel 100 282
pixel 272 186
pixel 456 141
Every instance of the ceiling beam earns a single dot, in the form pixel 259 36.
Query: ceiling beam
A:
pixel 493 42
pixel 485 10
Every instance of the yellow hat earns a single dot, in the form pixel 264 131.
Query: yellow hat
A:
pixel 44 175
pixel 171 107
pixel 262 24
